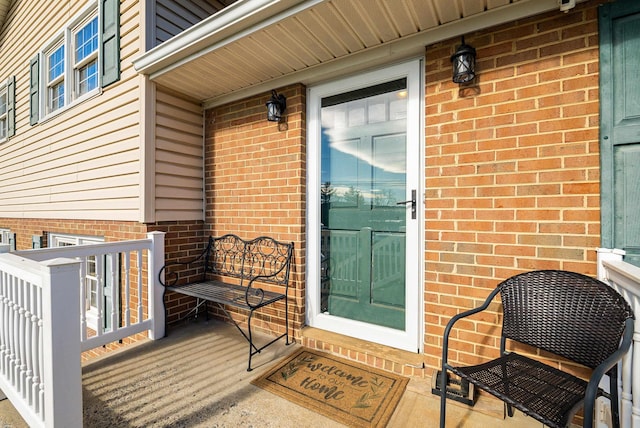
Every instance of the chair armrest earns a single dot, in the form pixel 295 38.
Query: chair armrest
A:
pixel 597 374
pixel 452 321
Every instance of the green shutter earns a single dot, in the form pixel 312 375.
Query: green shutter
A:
pixel 11 106
pixel 620 127
pixel 110 41
pixel 34 87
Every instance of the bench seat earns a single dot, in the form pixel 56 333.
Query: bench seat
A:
pixel 233 272
pixel 227 294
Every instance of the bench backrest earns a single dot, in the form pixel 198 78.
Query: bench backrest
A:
pixel 263 257
pixel 566 313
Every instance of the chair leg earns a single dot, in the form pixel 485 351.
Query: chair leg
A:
pixel 443 396
pixel 509 408
pixel 613 396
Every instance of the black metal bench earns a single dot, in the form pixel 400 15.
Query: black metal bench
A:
pixel 568 314
pixel 234 272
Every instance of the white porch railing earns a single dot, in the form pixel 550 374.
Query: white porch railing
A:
pixel 625 278
pixel 43 323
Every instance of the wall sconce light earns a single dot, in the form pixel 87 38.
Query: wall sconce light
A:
pixel 464 63
pixel 276 107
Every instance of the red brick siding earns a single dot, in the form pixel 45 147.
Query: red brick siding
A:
pixel 512 177
pixel 255 183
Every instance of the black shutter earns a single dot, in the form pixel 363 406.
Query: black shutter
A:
pixel 110 42
pixel 34 94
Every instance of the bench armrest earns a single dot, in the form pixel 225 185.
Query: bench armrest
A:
pixel 259 292
pixel 174 275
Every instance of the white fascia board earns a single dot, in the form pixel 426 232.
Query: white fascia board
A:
pixel 231 23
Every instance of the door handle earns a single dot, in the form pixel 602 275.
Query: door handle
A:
pixel 413 203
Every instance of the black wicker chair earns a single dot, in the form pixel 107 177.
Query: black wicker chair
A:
pixel 565 313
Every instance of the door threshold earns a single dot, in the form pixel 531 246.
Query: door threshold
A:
pixel 373 354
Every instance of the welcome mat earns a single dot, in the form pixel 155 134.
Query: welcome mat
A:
pixel 350 393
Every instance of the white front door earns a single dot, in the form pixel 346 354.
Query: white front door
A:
pixel 364 152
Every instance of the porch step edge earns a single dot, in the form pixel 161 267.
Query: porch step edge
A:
pixel 381 356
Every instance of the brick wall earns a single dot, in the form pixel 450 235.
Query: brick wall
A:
pixel 184 240
pixel 255 182
pixel 512 172
pixel 111 230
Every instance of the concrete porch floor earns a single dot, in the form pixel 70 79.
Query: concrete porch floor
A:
pixel 196 377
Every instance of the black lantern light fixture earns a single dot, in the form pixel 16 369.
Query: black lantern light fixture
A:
pixel 464 63
pixel 276 107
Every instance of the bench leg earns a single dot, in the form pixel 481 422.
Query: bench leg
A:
pixel 252 348
pixel 248 335
pixel 251 345
pixel 196 310
pixel 286 319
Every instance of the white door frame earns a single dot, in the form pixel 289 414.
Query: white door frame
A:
pixel 411 338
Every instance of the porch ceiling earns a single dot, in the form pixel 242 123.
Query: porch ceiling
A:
pixel 4 8
pixel 254 46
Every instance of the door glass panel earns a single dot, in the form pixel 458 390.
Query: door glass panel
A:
pixel 363 218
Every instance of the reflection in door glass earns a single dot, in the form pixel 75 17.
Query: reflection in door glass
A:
pixel 363 218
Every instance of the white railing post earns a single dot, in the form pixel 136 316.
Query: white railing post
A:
pixel 607 255
pixel 156 290
pixel 62 368
pixel 625 278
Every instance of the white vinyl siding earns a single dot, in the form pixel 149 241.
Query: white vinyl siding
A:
pixel 87 162
pixel 179 159
pixel 83 163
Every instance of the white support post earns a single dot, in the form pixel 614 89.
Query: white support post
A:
pixel 156 290
pixel 62 369
pixel 625 278
pixel 635 369
pixel 626 397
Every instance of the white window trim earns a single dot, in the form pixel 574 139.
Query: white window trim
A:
pixel 66 36
pixel 58 240
pixel 5 237
pixel 76 66
pixel 48 84
pixel 5 115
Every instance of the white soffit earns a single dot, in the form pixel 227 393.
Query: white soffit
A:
pixel 4 8
pixel 254 46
